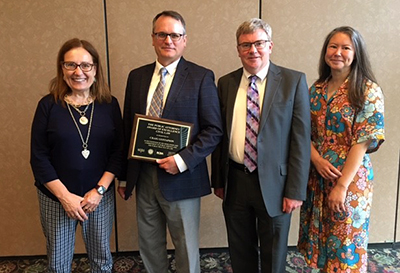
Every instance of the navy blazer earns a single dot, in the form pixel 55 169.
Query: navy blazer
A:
pixel 283 140
pixel 192 98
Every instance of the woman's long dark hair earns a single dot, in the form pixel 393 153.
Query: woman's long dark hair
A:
pixel 360 72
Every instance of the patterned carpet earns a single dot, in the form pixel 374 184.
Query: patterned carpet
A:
pixel 380 260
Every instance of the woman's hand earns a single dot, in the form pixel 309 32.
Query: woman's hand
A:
pixel 70 202
pixel 354 158
pixel 92 198
pixel 91 201
pixel 337 198
pixel 72 206
pixel 326 169
pixel 323 166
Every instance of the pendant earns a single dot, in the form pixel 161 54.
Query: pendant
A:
pixel 85 153
pixel 83 120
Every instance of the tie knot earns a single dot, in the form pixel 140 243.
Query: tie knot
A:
pixel 163 72
pixel 253 79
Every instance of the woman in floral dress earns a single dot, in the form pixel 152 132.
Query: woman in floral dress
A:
pixel 347 125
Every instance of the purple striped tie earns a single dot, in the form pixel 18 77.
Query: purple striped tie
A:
pixel 156 105
pixel 252 123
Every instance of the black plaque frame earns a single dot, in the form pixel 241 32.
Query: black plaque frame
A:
pixel 155 138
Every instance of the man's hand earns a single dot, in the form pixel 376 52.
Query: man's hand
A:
pixel 219 192
pixel 168 164
pixel 289 205
pixel 121 192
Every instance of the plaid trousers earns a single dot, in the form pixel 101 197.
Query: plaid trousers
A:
pixel 60 230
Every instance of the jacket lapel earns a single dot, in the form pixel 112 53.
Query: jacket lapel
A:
pixel 231 97
pixel 273 81
pixel 144 87
pixel 176 86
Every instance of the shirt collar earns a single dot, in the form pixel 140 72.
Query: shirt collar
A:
pixel 262 74
pixel 171 68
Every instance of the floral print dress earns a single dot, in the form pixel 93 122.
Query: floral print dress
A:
pixel 337 242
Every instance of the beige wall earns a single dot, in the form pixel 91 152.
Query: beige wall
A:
pixel 32 32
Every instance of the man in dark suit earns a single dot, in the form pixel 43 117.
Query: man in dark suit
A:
pixel 261 166
pixel 168 192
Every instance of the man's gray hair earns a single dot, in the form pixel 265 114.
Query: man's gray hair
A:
pixel 251 26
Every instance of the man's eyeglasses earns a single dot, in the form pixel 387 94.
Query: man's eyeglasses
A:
pixel 260 44
pixel 71 66
pixel 175 37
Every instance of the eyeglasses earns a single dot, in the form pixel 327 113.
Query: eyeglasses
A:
pixel 71 66
pixel 175 37
pixel 260 44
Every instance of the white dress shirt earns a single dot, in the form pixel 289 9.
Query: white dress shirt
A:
pixel 153 86
pixel 238 131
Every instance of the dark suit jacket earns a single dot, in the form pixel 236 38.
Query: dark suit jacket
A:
pixel 192 98
pixel 283 141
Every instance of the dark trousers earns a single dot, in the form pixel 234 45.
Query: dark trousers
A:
pixel 248 225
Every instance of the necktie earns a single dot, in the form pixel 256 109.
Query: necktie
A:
pixel 252 123
pixel 156 105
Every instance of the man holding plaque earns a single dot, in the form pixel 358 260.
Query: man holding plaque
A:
pixel 261 166
pixel 168 190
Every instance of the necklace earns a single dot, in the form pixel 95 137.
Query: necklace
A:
pixel 88 100
pixel 83 119
pixel 85 152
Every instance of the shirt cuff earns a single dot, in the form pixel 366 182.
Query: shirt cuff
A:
pixel 180 163
pixel 122 184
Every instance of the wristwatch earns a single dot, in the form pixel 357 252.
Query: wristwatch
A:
pixel 101 189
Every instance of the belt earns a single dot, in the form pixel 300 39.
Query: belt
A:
pixel 240 167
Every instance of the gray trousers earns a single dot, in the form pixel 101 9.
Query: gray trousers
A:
pixel 154 215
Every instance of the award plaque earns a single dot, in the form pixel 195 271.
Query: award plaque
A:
pixel 155 138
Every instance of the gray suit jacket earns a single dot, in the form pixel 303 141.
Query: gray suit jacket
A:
pixel 283 141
